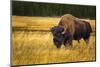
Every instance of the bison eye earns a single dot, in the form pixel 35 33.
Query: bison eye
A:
pixel 60 29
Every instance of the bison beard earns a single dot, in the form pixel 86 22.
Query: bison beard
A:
pixel 70 28
pixel 58 36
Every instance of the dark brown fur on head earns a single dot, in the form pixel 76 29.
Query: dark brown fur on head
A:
pixel 58 37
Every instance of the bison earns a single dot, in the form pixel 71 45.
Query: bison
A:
pixel 70 28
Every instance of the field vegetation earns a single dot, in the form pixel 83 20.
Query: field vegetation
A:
pixel 32 42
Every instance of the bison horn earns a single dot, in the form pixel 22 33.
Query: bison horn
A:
pixel 63 32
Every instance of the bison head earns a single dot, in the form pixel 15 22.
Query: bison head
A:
pixel 58 36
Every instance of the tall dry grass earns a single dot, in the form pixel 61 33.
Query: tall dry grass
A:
pixel 36 47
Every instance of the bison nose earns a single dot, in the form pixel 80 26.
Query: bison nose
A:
pixel 57 43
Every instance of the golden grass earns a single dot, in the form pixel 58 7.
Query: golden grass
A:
pixel 35 47
pixel 34 23
pixel 39 23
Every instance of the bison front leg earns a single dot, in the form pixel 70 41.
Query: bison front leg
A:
pixel 68 43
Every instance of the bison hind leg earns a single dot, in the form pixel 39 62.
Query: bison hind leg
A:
pixel 87 41
pixel 78 41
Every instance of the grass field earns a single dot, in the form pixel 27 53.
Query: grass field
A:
pixel 36 47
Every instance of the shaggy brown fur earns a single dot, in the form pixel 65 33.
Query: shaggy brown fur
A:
pixel 70 28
